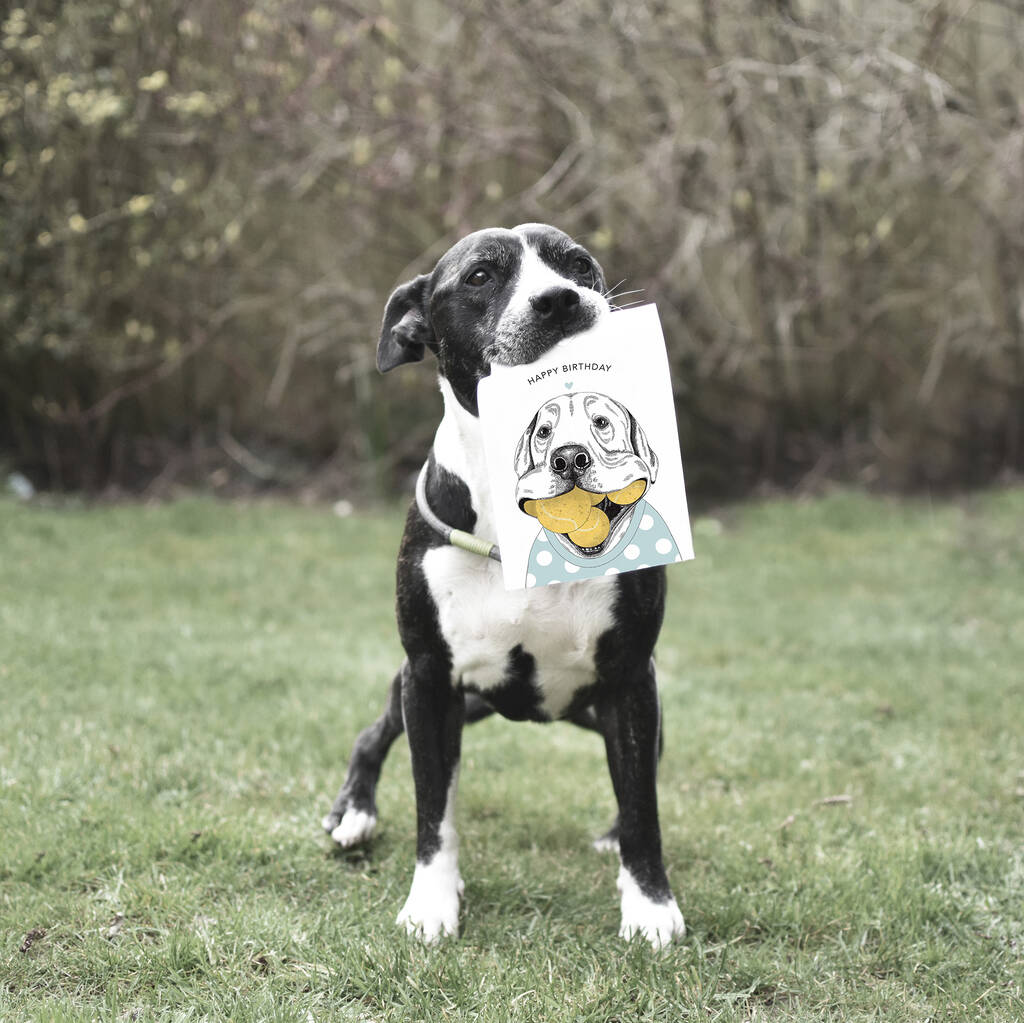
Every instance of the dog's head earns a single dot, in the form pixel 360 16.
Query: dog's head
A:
pixel 497 296
pixel 583 463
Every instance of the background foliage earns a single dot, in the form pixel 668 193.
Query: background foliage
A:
pixel 204 206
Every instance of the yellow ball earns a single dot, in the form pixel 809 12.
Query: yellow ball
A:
pixel 630 494
pixel 594 531
pixel 566 512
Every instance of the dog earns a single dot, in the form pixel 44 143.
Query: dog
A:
pixel 579 651
pixel 584 466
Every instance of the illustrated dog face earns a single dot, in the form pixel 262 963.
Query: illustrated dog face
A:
pixel 497 296
pixel 583 449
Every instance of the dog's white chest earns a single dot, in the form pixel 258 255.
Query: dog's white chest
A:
pixel 559 626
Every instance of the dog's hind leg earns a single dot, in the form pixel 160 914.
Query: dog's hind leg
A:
pixel 587 718
pixel 353 817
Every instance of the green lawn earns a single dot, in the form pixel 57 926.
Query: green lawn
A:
pixel 842 792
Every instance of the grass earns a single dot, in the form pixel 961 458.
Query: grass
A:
pixel 841 793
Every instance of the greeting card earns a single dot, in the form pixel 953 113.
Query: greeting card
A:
pixel 583 454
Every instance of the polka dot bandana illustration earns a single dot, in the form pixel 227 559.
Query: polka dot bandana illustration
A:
pixel 583 454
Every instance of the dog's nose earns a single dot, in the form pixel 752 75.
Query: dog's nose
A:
pixel 570 461
pixel 555 304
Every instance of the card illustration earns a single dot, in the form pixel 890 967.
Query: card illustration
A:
pixel 582 451
pixel 584 469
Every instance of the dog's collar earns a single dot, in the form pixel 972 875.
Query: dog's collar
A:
pixel 456 537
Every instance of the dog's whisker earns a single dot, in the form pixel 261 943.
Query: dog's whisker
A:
pixel 609 292
pixel 612 296
pixel 626 305
pixel 616 303
pixel 613 293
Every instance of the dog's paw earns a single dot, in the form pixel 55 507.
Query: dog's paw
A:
pixel 354 828
pixel 430 916
pixel 431 911
pixel 660 923
pixel 608 842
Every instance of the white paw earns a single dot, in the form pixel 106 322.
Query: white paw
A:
pixel 606 844
pixel 660 923
pixel 355 827
pixel 432 910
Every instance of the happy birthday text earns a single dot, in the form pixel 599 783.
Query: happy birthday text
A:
pixel 571 367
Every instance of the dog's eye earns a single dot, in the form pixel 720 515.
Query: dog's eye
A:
pixel 543 432
pixel 478 278
pixel 582 266
pixel 601 422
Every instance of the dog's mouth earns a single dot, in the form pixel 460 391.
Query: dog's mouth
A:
pixel 584 518
pixel 612 511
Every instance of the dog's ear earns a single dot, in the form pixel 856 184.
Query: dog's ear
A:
pixel 406 331
pixel 524 450
pixel 638 439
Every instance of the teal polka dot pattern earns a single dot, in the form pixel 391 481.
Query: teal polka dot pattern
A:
pixel 648 541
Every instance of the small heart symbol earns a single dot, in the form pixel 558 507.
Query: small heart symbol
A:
pixel 568 385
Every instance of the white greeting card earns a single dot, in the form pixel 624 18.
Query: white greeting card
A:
pixel 583 454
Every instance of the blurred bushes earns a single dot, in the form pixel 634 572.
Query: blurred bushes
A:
pixel 205 205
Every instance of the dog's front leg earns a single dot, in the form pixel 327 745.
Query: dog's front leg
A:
pixel 629 717
pixel 434 713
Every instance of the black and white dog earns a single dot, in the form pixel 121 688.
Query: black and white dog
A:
pixel 579 651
